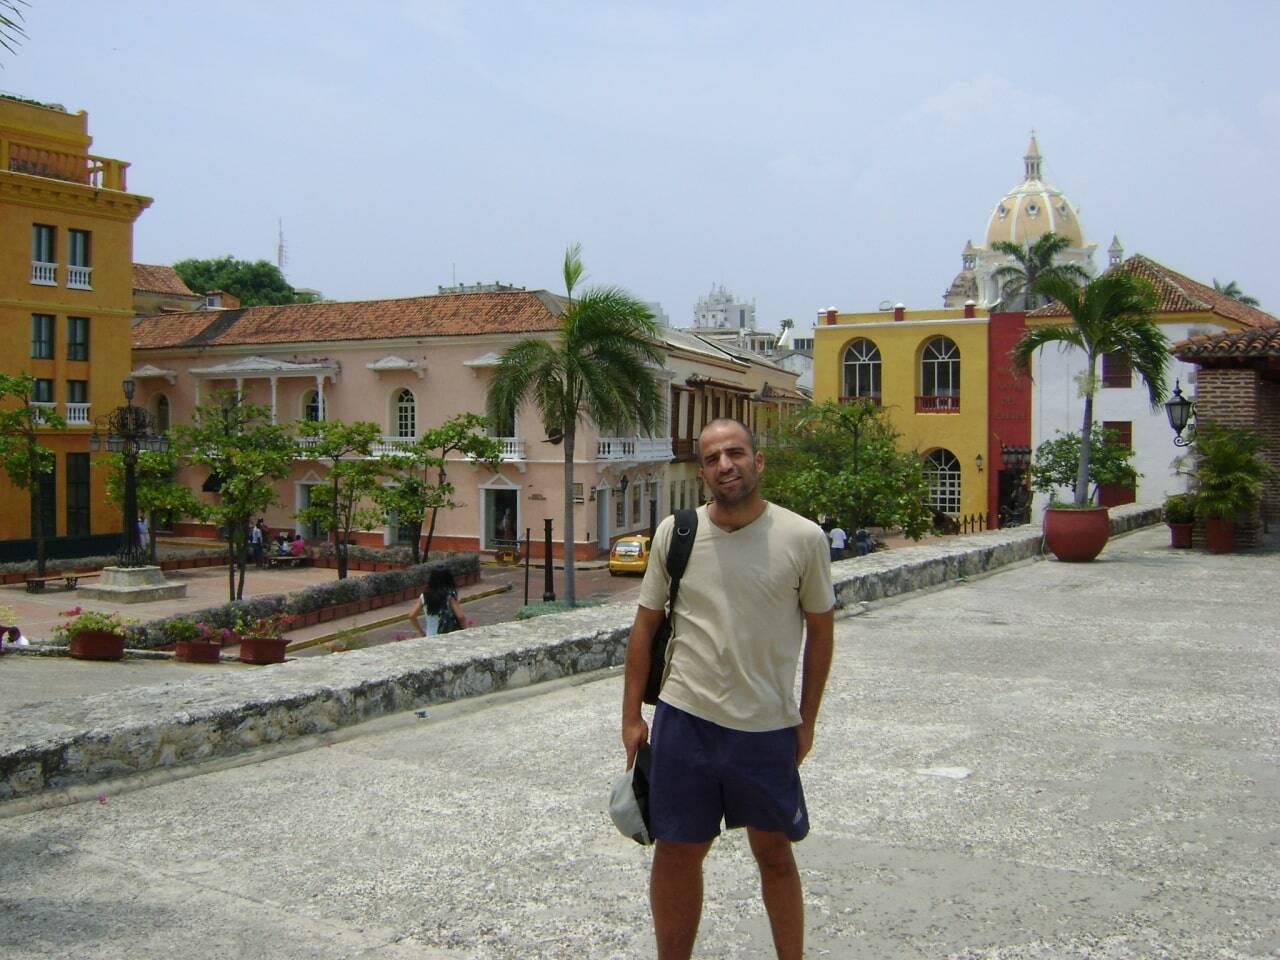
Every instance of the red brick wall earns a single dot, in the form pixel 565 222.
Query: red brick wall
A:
pixel 1269 427
pixel 1237 398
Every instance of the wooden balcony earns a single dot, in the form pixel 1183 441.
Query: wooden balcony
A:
pixel 938 404
pixel 683 451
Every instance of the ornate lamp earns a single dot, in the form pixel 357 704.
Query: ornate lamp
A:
pixel 1180 411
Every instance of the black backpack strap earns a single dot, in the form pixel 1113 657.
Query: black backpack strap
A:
pixel 685 528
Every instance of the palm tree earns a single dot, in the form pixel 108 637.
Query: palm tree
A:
pixel 599 368
pixel 1232 289
pixel 1111 314
pixel 1033 261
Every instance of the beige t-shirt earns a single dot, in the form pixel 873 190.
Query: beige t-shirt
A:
pixel 738 628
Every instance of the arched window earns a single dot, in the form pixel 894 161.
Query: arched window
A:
pixel 311 405
pixel 406 414
pixel 862 371
pixel 942 471
pixel 162 413
pixel 939 376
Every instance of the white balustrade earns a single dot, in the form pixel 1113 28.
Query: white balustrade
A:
pixel 512 448
pixel 45 274
pixel 77 413
pixel 633 448
pixel 78 278
pixel 40 409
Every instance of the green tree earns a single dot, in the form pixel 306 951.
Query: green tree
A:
pixel 1057 463
pixel 246 452
pixel 1033 260
pixel 600 367
pixel 255 283
pixel 21 455
pixel 1110 314
pixel 11 29
pixel 158 493
pixel 355 468
pixel 415 492
pixel 1232 289
pixel 842 461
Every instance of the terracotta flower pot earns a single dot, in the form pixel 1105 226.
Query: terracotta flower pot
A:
pixel 262 650
pixel 1180 534
pixel 97 645
pixel 1076 536
pixel 197 651
pixel 1219 535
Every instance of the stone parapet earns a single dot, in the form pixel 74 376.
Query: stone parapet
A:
pixel 57 744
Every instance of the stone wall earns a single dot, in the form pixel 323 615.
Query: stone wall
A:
pixel 51 745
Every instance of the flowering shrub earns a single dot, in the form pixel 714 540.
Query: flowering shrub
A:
pixel 268 628
pixel 90 620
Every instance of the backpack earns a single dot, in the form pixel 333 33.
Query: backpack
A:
pixel 685 529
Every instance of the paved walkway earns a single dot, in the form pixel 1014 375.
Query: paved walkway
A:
pixel 1057 761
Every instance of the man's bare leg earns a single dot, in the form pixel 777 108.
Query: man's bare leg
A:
pixel 675 896
pixel 780 888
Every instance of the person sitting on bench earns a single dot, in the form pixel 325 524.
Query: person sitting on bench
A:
pixel 298 548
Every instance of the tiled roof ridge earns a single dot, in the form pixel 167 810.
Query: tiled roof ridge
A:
pixel 1249 342
pixel 424 315
pixel 159 278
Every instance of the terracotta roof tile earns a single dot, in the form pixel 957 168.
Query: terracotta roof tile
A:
pixel 1251 343
pixel 442 315
pixel 1179 294
pixel 156 278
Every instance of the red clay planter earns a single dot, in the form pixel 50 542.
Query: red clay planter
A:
pixel 1076 536
pixel 197 651
pixel 262 650
pixel 1219 535
pixel 97 645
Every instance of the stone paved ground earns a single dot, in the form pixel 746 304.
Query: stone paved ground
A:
pixel 1054 761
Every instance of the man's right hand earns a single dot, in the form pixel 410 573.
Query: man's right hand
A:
pixel 635 734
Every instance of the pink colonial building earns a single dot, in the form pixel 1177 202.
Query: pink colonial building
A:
pixel 410 364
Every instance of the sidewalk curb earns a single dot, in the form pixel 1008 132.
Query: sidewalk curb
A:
pixel 386 621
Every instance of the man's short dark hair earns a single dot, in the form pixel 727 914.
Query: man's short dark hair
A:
pixel 731 422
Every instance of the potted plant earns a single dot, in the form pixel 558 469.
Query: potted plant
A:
pixel 90 635
pixel 196 642
pixel 1228 477
pixel 1079 532
pixel 1180 515
pixel 263 640
pixel 9 627
pixel 1110 314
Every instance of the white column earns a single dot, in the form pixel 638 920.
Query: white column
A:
pixel 273 398
pixel 239 389
pixel 197 380
pixel 320 396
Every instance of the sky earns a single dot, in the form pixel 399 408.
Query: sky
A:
pixel 804 155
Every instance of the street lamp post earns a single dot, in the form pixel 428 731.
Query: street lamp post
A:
pixel 1180 410
pixel 128 432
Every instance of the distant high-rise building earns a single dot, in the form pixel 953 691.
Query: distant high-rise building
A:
pixel 721 310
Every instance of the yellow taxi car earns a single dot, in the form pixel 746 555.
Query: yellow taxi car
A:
pixel 630 554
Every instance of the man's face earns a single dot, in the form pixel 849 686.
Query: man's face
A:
pixel 728 466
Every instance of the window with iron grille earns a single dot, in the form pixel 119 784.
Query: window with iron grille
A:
pixel 77 338
pixel 619 508
pixel 1119 432
pixel 1116 371
pixel 942 471
pixel 77 494
pixel 41 336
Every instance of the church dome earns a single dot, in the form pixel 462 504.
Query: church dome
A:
pixel 1033 208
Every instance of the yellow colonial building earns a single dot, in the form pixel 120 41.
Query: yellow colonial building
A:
pixel 932 372
pixel 66 297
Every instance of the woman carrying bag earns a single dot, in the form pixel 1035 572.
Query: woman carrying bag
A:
pixel 440 604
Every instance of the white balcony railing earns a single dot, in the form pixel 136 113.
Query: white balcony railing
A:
pixel 512 448
pixel 389 446
pixel 633 448
pixel 45 274
pixel 40 409
pixel 78 278
pixel 77 413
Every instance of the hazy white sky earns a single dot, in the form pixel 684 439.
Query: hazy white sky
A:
pixel 802 154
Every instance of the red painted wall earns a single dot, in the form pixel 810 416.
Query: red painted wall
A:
pixel 1009 398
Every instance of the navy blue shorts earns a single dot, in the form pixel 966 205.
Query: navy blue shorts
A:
pixel 703 773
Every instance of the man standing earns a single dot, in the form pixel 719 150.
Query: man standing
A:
pixel 728 737
pixel 838 540
pixel 256 541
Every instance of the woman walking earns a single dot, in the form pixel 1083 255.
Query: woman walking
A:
pixel 440 604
